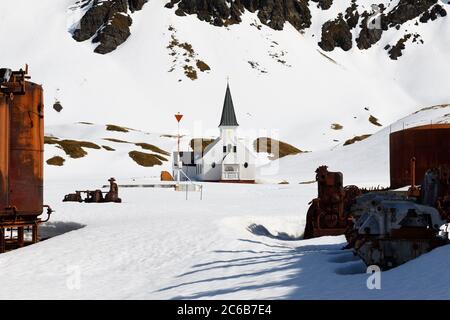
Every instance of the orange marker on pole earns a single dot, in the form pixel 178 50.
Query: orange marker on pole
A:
pixel 178 116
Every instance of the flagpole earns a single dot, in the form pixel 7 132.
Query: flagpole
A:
pixel 178 116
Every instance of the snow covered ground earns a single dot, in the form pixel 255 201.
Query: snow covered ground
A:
pixel 157 245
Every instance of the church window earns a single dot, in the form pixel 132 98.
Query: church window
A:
pixel 246 165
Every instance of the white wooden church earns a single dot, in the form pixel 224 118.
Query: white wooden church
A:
pixel 227 159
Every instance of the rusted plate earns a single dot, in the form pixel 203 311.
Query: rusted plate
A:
pixel 429 144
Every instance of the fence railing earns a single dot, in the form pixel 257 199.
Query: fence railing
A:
pixel 188 180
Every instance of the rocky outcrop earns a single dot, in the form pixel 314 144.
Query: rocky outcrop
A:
pixel 113 34
pixel 407 10
pixel 273 13
pixel 336 33
pixel 433 14
pixel 107 22
pixel 323 4
pixel 352 15
pixel 397 50
pixel 368 36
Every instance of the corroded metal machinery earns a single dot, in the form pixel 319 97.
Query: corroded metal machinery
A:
pixel 329 212
pixel 96 196
pixel 429 145
pixel 21 159
pixel 391 228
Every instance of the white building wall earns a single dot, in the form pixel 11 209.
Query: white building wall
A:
pixel 213 163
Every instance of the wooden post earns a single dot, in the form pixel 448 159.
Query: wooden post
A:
pixel 2 240
pixel 20 237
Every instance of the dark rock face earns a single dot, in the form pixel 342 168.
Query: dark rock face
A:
pixel 136 5
pixel 274 13
pixel 368 36
pixel 113 34
pixel 324 4
pixel 397 51
pixel 336 34
pixel 108 22
pixel 370 33
pixel 433 14
pixel 407 10
pixel 352 15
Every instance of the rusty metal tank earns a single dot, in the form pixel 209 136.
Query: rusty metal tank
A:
pixel 429 145
pixel 21 148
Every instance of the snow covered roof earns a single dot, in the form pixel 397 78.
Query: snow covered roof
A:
pixel 228 114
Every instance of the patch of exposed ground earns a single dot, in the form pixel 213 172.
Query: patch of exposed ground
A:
pixel 374 121
pixel 143 145
pixel 439 106
pixel 56 161
pixel 337 126
pixel 185 57
pixel 356 139
pixel 150 147
pixel 115 140
pixel 73 148
pixel 255 65
pixel 146 159
pixel 112 127
pixel 108 148
pixel 277 149
pixel 278 54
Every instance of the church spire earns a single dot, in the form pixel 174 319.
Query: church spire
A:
pixel 228 115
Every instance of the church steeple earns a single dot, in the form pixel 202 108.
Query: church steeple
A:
pixel 228 115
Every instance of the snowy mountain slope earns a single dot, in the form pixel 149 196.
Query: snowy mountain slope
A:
pixel 364 163
pixel 299 99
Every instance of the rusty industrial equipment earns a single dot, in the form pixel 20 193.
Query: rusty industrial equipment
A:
pixel 21 159
pixel 391 228
pixel 388 227
pixel 96 196
pixel 429 145
pixel 329 212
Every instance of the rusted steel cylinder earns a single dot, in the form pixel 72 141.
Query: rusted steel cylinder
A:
pixel 27 151
pixel 429 145
pixel 4 152
pixel 22 148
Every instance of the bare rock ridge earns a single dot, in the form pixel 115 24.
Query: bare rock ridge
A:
pixel 107 22
pixel 336 33
pixel 273 13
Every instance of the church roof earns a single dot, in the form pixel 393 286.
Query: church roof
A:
pixel 228 114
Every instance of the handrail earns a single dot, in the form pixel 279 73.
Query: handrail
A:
pixel 194 184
